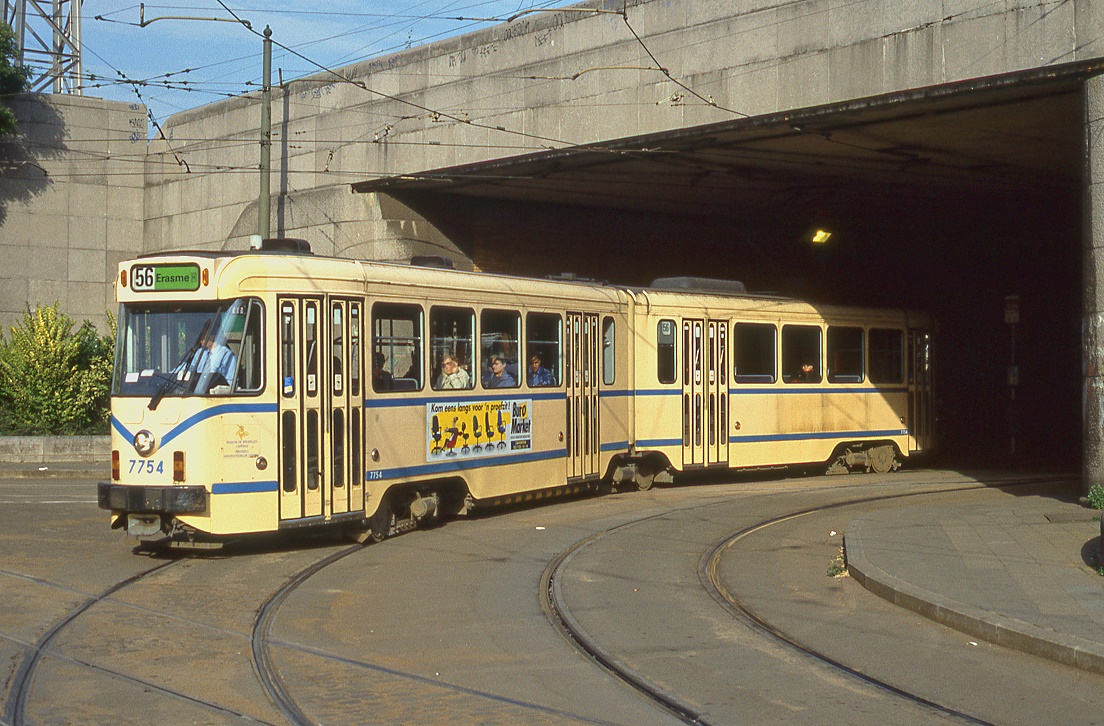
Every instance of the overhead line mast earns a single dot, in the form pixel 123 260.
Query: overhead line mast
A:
pixel 48 40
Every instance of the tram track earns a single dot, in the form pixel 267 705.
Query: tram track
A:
pixel 16 705
pixel 709 576
pixel 558 612
pixel 264 665
pixel 15 708
pixel 559 615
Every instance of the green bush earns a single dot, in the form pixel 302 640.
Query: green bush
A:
pixel 1096 496
pixel 54 381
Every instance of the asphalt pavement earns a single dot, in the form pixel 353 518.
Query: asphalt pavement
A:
pixel 56 470
pixel 1024 572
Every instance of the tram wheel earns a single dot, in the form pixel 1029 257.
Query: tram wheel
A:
pixel 883 459
pixel 644 477
pixel 380 523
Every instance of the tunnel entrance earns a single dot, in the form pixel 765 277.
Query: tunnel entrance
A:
pixel 946 200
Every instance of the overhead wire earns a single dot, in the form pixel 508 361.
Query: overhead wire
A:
pixel 149 114
pixel 659 66
pixel 413 104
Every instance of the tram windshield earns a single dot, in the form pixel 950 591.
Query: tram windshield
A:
pixel 195 349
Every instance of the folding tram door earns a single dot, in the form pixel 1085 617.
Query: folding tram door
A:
pixel 321 374
pixel 920 413
pixel 704 392
pixel 581 364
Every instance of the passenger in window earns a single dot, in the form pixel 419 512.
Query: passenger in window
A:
pixel 498 376
pixel 505 347
pixel 806 375
pixel 453 376
pixel 381 380
pixel 538 374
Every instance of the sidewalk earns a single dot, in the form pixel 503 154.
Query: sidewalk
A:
pixel 1012 569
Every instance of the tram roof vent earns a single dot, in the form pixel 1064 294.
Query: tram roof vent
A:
pixel 437 261
pixel 700 284
pixel 572 277
pixel 285 244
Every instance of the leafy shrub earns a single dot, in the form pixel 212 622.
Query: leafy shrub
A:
pixel 1096 496
pixel 54 381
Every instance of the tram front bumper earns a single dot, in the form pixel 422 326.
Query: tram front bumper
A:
pixel 152 499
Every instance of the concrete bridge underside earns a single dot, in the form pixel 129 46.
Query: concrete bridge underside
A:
pixel 945 199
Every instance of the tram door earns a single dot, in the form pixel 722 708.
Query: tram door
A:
pixel 581 369
pixel 920 412
pixel 704 392
pixel 319 342
pixel 345 485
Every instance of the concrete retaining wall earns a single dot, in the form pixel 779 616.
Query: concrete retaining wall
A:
pixel 71 204
pixel 51 449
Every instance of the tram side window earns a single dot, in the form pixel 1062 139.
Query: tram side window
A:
pixel 499 332
pixel 801 354
pixel 354 349
pixel 451 340
pixel 287 350
pixel 887 355
pixel 845 354
pixel 543 346
pixel 396 347
pixel 337 347
pixel 609 351
pixel 756 353
pixel 665 351
pixel 249 377
pixel 310 342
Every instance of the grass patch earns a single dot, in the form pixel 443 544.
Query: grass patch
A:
pixel 838 566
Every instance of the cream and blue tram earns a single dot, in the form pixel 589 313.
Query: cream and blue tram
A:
pixel 273 389
pixel 727 379
pixel 336 408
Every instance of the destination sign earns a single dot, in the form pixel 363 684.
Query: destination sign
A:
pixel 164 278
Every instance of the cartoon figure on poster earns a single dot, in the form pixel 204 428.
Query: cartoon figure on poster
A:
pixel 497 427
pixel 476 432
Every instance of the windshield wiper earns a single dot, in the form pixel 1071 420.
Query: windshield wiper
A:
pixel 178 371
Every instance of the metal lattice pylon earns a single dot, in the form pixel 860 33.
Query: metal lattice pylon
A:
pixel 48 40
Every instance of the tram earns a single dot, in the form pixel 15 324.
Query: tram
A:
pixel 275 389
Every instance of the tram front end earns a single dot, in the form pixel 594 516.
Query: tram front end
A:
pixel 192 427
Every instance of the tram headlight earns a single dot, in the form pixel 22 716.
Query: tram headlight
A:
pixel 178 466
pixel 144 443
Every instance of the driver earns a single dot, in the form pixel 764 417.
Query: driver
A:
pixel 215 357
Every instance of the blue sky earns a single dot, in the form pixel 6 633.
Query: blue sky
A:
pixel 219 59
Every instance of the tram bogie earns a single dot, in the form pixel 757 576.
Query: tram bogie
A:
pixel 276 390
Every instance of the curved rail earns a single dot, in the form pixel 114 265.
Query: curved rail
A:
pixel 559 615
pixel 263 663
pixel 15 708
pixel 711 581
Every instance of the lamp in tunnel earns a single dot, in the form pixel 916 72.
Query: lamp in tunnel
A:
pixel 821 236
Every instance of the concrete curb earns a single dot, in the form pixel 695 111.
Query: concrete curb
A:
pixel 27 450
pixel 989 626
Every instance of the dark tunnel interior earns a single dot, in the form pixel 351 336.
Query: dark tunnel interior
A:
pixel 952 246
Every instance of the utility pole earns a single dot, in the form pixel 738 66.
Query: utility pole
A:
pixel 264 198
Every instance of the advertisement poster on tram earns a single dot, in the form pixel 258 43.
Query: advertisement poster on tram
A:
pixel 478 428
